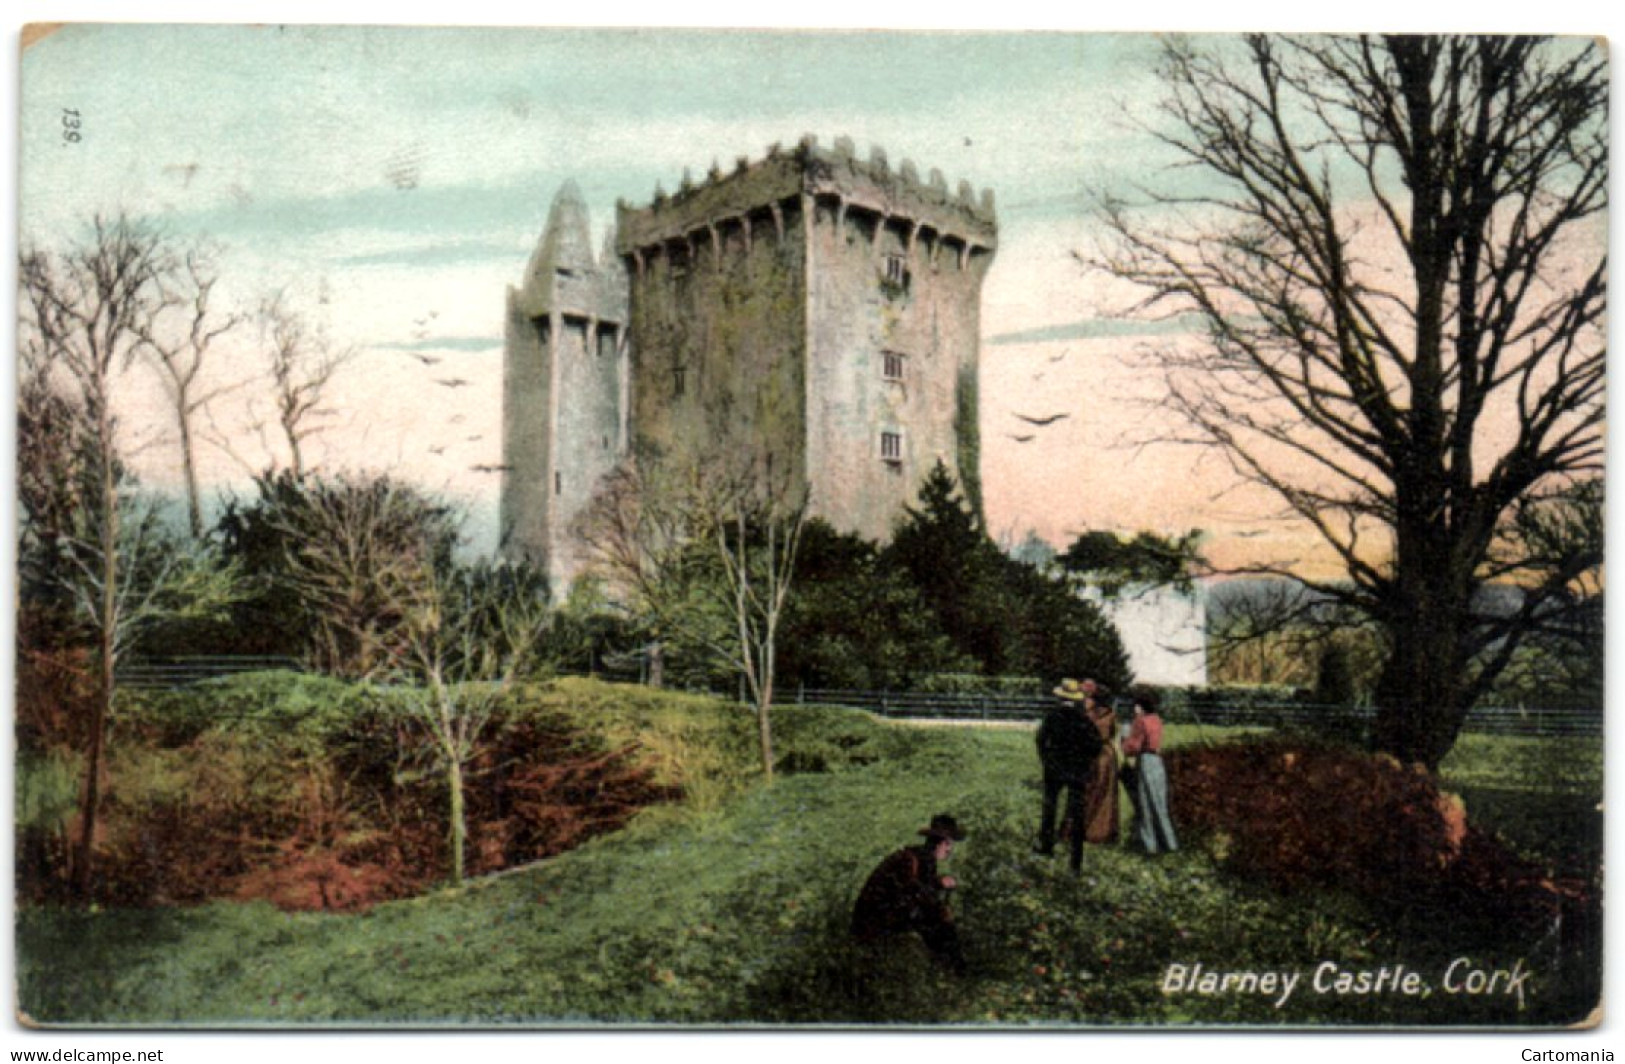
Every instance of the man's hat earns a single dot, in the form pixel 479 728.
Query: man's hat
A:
pixel 944 826
pixel 1074 691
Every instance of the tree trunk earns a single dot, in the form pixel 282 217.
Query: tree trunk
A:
pixel 91 791
pixel 459 825
pixel 296 459
pixel 1422 692
pixel 194 505
pixel 764 728
pixel 657 665
pixel 1420 702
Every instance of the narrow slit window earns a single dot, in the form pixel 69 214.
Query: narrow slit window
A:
pixel 891 365
pixel 895 271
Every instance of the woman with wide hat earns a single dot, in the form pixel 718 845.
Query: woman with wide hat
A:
pixel 1100 797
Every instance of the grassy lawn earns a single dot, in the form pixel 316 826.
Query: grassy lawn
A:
pixel 733 909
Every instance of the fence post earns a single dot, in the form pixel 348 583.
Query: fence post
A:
pixel 885 705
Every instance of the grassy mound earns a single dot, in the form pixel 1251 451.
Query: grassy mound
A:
pixel 317 794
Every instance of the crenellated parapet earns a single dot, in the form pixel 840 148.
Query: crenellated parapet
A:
pixel 752 198
pixel 872 183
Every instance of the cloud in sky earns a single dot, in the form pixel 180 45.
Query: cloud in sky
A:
pixel 444 343
pixel 1098 328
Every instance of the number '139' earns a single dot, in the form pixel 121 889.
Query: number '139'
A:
pixel 70 126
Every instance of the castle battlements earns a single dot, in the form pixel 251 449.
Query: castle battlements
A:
pixel 751 195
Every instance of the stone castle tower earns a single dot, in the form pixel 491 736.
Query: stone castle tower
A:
pixel 814 310
pixel 564 389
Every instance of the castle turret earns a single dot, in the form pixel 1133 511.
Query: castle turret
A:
pixel 564 379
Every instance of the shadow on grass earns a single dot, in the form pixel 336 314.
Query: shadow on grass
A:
pixel 835 980
pixel 1562 831
pixel 102 944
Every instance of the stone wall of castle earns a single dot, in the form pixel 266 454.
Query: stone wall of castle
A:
pixel 717 337
pixel 895 275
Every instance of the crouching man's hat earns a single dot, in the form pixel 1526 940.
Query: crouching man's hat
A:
pixel 944 826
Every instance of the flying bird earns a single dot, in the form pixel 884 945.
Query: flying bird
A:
pixel 1021 439
pixel 427 360
pixel 452 382
pixel 475 438
pixel 438 450
pixel 1057 358
pixel 490 468
pixel 1042 421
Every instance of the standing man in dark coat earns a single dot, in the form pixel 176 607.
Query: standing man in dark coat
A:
pixel 905 893
pixel 1068 746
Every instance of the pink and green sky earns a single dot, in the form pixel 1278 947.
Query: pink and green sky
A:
pixel 394 180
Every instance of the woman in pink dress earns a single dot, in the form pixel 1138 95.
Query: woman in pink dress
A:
pixel 1152 821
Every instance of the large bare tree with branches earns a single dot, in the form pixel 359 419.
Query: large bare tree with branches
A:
pixel 303 360
pixel 1397 248
pixel 86 313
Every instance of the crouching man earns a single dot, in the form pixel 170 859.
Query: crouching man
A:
pixel 905 894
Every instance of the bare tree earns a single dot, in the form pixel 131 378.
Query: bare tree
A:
pixel 634 536
pixel 303 363
pixel 469 634
pixel 85 313
pixel 1396 250
pixel 706 556
pixel 755 534
pixel 180 353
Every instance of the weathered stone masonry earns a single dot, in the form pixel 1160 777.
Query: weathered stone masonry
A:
pixel 816 310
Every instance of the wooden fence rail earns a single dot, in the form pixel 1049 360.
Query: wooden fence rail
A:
pixel 173 672
pixel 1490 720
pixel 164 673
